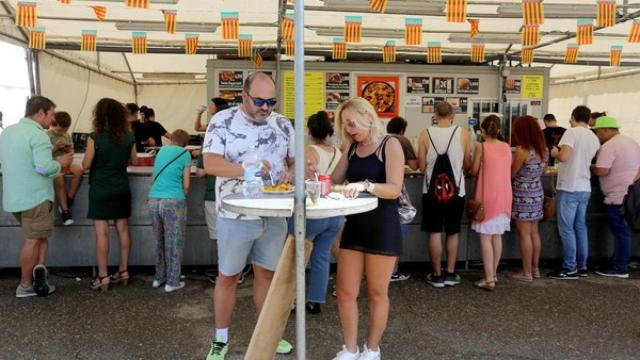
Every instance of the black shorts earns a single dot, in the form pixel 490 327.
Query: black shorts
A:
pixel 437 218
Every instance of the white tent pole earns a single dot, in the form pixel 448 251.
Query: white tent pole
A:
pixel 299 181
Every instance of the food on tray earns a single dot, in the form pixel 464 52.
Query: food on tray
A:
pixel 227 76
pixel 334 78
pixel 381 95
pixel 279 188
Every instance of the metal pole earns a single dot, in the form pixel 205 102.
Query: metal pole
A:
pixel 32 86
pixel 299 182
pixel 36 73
pixel 279 77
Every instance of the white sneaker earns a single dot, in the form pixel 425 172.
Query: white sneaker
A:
pixel 168 288
pixel 344 354
pixel 368 354
pixel 156 284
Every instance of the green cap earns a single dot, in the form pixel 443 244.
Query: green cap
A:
pixel 606 122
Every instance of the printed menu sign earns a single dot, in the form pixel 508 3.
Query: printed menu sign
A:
pixel 443 85
pixel 334 98
pixel 337 81
pixel 417 85
pixel 468 86
pixel 230 79
pixel 513 86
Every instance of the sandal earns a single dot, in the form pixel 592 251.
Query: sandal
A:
pixel 522 276
pixel 536 273
pixel 485 285
pixel 100 283
pixel 121 277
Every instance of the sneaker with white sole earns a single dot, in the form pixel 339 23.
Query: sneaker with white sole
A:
pixel 156 284
pixel 168 288
pixel 284 347
pixel 23 292
pixel 612 272
pixel 368 354
pixel 67 218
pixel 344 354
pixel 40 283
pixel 218 350
pixel 399 276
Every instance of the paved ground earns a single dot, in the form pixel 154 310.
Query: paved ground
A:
pixel 585 319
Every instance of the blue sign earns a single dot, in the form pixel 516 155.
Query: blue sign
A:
pixel 473 122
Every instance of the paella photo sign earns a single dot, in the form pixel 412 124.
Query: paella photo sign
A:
pixel 383 92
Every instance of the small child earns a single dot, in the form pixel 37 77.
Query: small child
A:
pixel 168 205
pixel 62 143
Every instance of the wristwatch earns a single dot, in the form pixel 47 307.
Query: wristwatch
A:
pixel 369 186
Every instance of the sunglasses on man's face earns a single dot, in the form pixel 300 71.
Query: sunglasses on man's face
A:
pixel 260 101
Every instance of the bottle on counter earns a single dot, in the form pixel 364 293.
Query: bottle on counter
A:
pixel 252 164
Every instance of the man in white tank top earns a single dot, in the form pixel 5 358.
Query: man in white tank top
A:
pixel 438 217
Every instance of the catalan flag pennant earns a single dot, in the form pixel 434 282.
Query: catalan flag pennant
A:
pixel 378 5
pixel 88 40
pixel 434 52
pixel 288 26
pixel 413 31
pixel 339 49
pixel 230 25
pixel 257 59
pixel 530 35
pixel 141 4
pixel 245 45
pixel 389 52
pixel 456 10
pixel 291 1
pixel 26 14
pixel 66 2
pixel 475 27
pixel 606 13
pixel 289 47
pixel 533 12
pixel 634 35
pixel 100 12
pixel 571 55
pixel 170 20
pixel 191 43
pixel 526 57
pixel 477 53
pixel 139 42
pixel 37 39
pixel 616 55
pixel 584 33
pixel 352 29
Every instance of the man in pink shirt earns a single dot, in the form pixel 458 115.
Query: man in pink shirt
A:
pixel 617 166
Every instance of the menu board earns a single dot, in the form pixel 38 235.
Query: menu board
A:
pixel 337 87
pixel 459 104
pixel 469 86
pixel 532 86
pixel 313 93
pixel 382 92
pixel 443 85
pixel 233 97
pixel 418 85
pixel 513 86
pixel 230 79
pixel 428 105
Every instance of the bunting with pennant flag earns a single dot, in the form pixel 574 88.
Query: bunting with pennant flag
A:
pixel 389 52
pixel 530 35
pixel 170 20
pixel 139 42
pixel 26 14
pixel 191 43
pixel 288 26
pixel 477 53
pixel 474 27
pixel 584 34
pixel 571 55
pixel 66 2
pixel 434 52
pixel 88 40
pixel 230 25
pixel 100 11
pixel 634 34
pixel 606 13
pixel 456 10
pixel 245 45
pixel 378 5
pixel 339 49
pixel 526 57
pixel 413 31
pixel 37 38
pixel 352 29
pixel 616 55
pixel 533 12
pixel 140 4
pixel 289 48
pixel 257 59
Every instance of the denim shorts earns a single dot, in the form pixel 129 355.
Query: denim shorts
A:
pixel 260 240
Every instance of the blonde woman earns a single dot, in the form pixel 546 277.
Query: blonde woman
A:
pixel 371 241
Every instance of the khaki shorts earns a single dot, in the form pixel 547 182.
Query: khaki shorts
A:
pixel 36 223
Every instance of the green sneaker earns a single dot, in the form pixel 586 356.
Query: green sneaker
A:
pixel 284 347
pixel 218 350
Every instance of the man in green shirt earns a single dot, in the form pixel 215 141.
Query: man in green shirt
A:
pixel 27 173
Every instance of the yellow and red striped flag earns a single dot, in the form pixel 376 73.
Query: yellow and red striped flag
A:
pixel 141 4
pixel 230 25
pixel 66 2
pixel 584 34
pixel 389 52
pixel 257 59
pixel 477 53
pixel 526 57
pixel 571 55
pixel 530 35
pixel 191 43
pixel 616 55
pixel 289 47
pixel 339 49
pixel 456 10
pixel 413 31
pixel 37 38
pixel 100 11
pixel 533 12
pixel 291 1
pixel 434 52
pixel 606 13
pixel 288 26
pixel 26 14
pixel 474 27
pixel 378 5
pixel 88 42
pixel 352 29
pixel 139 42
pixel 634 34
pixel 245 45
pixel 170 20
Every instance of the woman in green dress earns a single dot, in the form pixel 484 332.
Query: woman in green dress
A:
pixel 110 149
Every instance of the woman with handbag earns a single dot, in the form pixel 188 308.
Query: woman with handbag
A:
pixel 492 214
pixel 528 195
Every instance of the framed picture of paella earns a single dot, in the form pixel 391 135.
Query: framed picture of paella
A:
pixel 383 92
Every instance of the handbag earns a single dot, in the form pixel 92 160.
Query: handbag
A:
pixel 475 208
pixel 549 203
pixel 406 210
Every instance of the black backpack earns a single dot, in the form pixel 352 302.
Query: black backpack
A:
pixel 631 206
pixel 442 186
